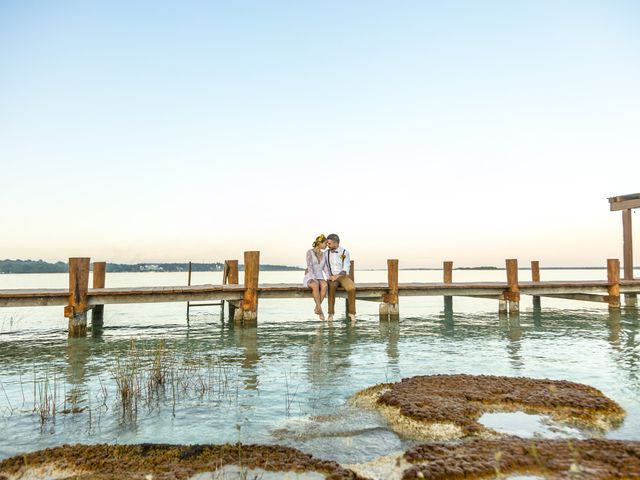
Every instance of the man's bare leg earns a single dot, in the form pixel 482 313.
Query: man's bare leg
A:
pixel 333 285
pixel 350 288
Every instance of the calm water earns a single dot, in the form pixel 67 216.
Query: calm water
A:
pixel 288 380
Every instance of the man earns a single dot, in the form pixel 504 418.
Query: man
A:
pixel 337 265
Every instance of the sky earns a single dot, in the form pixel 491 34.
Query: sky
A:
pixel 420 130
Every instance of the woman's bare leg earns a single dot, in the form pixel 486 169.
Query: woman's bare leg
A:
pixel 323 293
pixel 323 290
pixel 315 291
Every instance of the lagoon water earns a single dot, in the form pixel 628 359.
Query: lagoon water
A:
pixel 288 380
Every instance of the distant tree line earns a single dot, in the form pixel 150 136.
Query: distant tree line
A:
pixel 32 266
pixel 40 266
pixel 164 267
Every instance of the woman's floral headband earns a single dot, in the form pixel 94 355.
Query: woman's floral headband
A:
pixel 319 239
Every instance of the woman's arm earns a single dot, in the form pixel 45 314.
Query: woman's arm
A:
pixel 309 261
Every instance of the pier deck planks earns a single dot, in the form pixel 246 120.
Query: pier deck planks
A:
pixel 365 291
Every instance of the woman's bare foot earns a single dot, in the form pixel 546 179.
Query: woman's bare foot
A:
pixel 317 310
pixel 321 316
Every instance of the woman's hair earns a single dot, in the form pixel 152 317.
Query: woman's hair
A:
pixel 319 239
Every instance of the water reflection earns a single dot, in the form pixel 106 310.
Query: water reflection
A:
pixel 514 334
pixel 613 322
pixel 325 363
pixel 246 337
pixel 447 317
pixel 623 331
pixel 328 359
pixel 77 359
pixel 537 316
pixel 390 329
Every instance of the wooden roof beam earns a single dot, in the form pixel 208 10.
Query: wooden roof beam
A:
pixel 624 202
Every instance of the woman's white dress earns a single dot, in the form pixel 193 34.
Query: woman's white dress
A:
pixel 315 268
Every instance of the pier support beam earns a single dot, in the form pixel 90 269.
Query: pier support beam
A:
pixel 513 293
pixel 447 277
pixel 613 278
pixel 230 277
pixel 76 310
pixel 390 309
pixel 502 306
pixel 535 277
pixel 630 299
pixel 248 311
pixel 97 312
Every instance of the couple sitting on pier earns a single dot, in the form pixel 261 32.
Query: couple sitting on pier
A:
pixel 328 265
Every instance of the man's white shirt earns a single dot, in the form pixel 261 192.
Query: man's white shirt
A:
pixel 335 262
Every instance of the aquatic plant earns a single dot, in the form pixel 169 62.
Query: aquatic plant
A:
pixel 45 397
pixel 289 396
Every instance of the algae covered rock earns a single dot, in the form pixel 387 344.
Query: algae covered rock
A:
pixel 477 458
pixel 164 462
pixel 441 407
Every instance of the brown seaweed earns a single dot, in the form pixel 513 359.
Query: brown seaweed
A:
pixel 163 462
pixel 597 459
pixel 456 402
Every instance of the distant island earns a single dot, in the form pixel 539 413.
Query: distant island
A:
pixel 40 266
pixel 477 268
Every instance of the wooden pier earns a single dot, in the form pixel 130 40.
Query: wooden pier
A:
pixel 243 299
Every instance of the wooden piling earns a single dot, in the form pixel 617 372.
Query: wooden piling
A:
pixel 513 293
pixel 230 277
pixel 189 284
pixel 248 311
pixel 76 309
pixel 390 308
pixel 502 306
pixel 630 299
pixel 447 277
pixel 99 276
pixel 535 277
pixel 613 279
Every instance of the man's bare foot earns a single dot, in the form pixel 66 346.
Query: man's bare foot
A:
pixel 352 316
pixel 330 318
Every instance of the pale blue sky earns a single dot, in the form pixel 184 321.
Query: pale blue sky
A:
pixel 470 131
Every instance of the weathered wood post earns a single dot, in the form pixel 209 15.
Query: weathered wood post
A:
pixel 248 311
pixel 502 306
pixel 390 308
pixel 230 277
pixel 630 299
pixel 613 278
pixel 447 277
pixel 189 284
pixel 535 277
pixel 76 310
pixel 97 312
pixel 353 279
pixel 513 293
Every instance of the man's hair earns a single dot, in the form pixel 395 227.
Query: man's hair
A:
pixel 333 237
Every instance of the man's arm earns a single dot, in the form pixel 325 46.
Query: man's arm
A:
pixel 346 265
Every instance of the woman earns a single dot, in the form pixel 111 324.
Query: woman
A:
pixel 314 277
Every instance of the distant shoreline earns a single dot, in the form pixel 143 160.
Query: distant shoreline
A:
pixel 40 266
